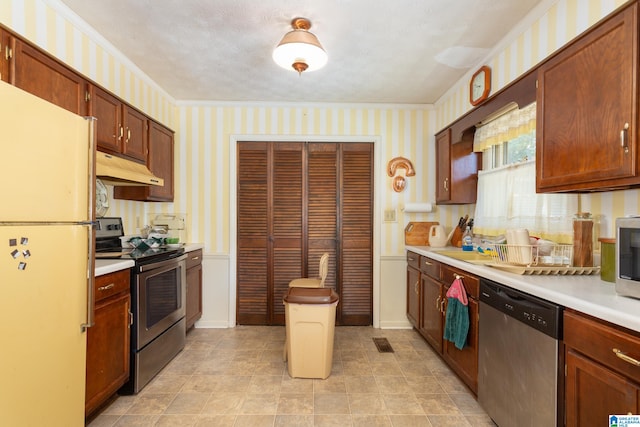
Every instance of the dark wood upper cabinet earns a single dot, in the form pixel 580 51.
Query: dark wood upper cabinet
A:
pixel 456 169
pixel 107 109
pixel 121 129
pixel 587 114
pixel 43 76
pixel 160 161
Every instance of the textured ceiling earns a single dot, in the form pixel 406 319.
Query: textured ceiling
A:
pixel 380 51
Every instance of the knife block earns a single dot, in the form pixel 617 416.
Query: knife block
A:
pixel 456 238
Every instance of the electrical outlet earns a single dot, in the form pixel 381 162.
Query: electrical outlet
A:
pixel 390 215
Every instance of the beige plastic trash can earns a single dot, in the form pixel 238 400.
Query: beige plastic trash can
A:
pixel 310 317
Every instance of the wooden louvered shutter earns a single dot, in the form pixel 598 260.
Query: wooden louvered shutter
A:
pixel 355 234
pixel 286 234
pixel 322 208
pixel 253 219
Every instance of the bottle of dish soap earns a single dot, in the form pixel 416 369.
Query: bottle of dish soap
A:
pixel 467 240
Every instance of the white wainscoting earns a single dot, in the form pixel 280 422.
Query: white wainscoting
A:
pixel 216 292
pixel 393 293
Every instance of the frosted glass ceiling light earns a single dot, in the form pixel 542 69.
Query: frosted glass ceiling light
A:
pixel 299 49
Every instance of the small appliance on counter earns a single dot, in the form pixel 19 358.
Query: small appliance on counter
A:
pixel 174 224
pixel 627 256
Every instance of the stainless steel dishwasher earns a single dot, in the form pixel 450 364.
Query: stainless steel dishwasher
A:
pixel 518 357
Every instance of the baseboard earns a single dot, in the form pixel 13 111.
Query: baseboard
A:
pixel 212 324
pixel 395 324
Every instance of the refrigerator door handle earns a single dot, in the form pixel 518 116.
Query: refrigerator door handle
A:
pixel 91 280
pixel 91 201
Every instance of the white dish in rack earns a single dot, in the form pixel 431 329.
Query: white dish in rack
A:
pixel 173 245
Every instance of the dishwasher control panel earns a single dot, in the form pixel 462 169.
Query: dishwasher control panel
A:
pixel 535 312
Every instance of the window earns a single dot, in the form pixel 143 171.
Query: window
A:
pixel 507 195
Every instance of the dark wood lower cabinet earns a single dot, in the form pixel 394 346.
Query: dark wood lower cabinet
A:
pixel 435 279
pixel 413 288
pixel 108 340
pixel 194 287
pixel 599 383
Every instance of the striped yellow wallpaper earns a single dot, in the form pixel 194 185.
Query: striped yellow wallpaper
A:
pixel 204 131
pixel 206 144
pixel 551 25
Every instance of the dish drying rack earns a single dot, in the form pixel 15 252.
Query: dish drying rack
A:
pixel 532 255
pixel 537 259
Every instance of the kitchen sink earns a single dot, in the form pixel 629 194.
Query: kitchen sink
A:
pixel 472 257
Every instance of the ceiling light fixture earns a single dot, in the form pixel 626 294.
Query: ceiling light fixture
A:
pixel 300 49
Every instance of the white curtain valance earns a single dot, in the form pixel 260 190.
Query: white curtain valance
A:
pixel 506 127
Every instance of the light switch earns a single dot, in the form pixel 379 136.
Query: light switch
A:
pixel 390 215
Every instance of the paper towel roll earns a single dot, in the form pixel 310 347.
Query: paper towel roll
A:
pixel 418 207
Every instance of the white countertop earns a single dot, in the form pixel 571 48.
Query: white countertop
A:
pixel 587 294
pixel 106 266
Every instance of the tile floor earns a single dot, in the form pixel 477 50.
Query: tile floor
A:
pixel 236 377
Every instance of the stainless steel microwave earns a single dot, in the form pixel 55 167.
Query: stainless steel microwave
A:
pixel 628 256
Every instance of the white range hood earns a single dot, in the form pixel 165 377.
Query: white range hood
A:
pixel 115 170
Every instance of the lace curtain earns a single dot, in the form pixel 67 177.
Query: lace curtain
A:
pixel 505 128
pixel 507 199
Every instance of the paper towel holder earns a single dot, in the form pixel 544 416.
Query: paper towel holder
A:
pixel 399 181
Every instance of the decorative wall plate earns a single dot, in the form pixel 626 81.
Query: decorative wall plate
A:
pixel 102 199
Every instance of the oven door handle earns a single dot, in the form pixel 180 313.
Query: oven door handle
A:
pixel 154 265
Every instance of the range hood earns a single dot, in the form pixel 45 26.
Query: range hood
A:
pixel 115 170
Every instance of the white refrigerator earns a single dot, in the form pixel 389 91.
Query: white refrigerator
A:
pixel 47 184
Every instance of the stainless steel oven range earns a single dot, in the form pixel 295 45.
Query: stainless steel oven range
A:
pixel 158 297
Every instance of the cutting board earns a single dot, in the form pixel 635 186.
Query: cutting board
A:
pixel 417 233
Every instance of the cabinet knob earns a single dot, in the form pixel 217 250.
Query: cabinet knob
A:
pixel 446 184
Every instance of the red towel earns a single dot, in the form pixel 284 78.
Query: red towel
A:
pixel 458 292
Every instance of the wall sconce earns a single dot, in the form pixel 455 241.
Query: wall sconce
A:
pixel 393 167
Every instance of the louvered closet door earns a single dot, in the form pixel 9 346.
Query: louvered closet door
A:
pixel 253 233
pixel 269 227
pixel 355 276
pixel 286 220
pixel 297 201
pixel 322 208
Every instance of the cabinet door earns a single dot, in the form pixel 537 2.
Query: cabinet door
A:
pixel 587 110
pixel 456 170
pixel 160 161
pixel 594 392
pixel 443 166
pixel 413 295
pixel 107 351
pixel 107 109
pixel 432 305
pixel 135 134
pixel 194 295
pixel 465 362
pixel 44 77
pixel 6 55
